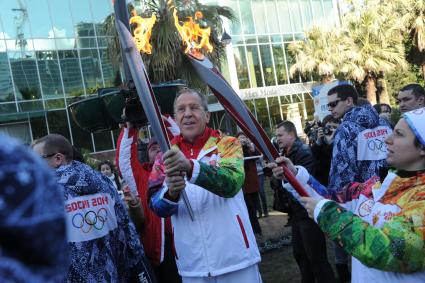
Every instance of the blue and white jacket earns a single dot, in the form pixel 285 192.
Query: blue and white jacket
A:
pixel 359 148
pixel 103 243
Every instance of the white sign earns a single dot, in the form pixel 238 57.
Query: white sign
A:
pixel 371 143
pixel 320 98
pixel 90 217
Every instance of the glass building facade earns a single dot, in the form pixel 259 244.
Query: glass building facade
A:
pixel 54 52
pixel 258 60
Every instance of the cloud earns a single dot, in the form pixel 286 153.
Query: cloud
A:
pixel 56 40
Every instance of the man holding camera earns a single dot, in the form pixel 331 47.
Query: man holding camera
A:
pixel 322 148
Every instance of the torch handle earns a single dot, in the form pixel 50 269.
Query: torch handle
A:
pixel 293 181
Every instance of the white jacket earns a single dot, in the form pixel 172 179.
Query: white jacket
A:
pixel 220 239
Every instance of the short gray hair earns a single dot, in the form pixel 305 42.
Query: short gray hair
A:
pixel 203 98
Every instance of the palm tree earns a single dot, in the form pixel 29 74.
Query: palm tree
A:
pixel 374 35
pixel 413 16
pixel 168 61
pixel 321 53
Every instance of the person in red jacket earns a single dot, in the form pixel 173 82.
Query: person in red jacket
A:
pixel 156 234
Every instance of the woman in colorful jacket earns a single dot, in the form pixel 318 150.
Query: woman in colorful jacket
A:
pixel 379 222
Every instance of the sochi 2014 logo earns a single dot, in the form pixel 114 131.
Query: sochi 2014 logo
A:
pixel 90 220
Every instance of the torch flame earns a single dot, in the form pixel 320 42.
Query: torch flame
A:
pixel 143 32
pixel 194 37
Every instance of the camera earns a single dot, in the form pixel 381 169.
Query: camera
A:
pixel 133 111
pixel 311 130
pixel 327 131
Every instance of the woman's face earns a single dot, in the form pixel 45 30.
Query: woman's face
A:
pixel 402 152
pixel 106 170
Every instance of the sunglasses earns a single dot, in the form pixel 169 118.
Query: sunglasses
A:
pixel 334 103
pixel 48 155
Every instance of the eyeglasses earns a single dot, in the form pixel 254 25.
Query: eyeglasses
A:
pixel 48 155
pixel 333 104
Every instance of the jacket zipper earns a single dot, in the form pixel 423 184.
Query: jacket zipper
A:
pixel 202 229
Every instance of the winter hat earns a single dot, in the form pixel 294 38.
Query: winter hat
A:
pixel 416 121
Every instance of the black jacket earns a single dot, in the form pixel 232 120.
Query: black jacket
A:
pixel 323 155
pixel 300 154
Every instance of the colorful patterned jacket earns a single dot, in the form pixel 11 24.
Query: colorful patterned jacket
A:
pixel 221 221
pixel 382 224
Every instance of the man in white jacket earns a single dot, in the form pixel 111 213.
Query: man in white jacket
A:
pixel 219 244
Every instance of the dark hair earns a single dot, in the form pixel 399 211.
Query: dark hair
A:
pixel 416 90
pixel 203 98
pixel 106 162
pixel 345 91
pixel 55 143
pixel 289 127
pixel 379 105
pixel 330 118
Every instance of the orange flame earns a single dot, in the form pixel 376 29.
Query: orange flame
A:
pixel 143 32
pixel 194 37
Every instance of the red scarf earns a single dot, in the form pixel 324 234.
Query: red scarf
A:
pixel 191 150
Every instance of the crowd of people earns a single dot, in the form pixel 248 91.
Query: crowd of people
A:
pixel 63 221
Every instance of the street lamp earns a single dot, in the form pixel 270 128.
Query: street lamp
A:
pixel 226 38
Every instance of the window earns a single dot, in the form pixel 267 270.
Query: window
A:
pixel 82 139
pixel 111 72
pixel 296 16
pixel 48 67
pixel 247 21
pixel 61 18
pixel 6 85
pixel 254 66
pixel 58 123
pixel 25 76
pixel 103 141
pixel 284 17
pixel 290 59
pixel 274 108
pixel 266 60
pixel 306 13
pixel 101 9
pixel 71 72
pixel 263 113
pixel 272 16
pixel 260 17
pixel 279 61
pixel 38 126
pixel 91 70
pixel 241 67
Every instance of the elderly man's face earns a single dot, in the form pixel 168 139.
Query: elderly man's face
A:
pixel 190 116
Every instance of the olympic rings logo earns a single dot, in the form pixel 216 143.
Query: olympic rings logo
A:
pixel 377 145
pixel 90 220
